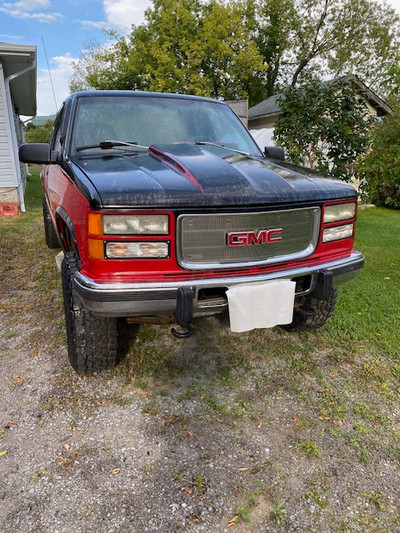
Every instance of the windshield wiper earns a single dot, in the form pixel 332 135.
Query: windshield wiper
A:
pixel 220 145
pixel 107 145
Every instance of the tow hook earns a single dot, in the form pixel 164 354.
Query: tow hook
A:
pixel 184 313
pixel 182 334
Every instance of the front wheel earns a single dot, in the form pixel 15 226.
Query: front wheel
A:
pixel 311 313
pixel 92 339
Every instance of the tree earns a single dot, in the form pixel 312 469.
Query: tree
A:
pixel 379 169
pixel 272 32
pixel 39 134
pixel 184 46
pixel 90 63
pixel 325 123
pixel 391 83
pixel 240 48
pixel 305 39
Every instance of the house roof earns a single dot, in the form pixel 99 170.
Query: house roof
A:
pixel 265 108
pixel 270 107
pixel 14 58
pixel 382 108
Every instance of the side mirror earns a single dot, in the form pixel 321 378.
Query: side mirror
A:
pixel 274 152
pixel 37 153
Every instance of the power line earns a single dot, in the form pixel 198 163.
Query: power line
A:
pixel 51 79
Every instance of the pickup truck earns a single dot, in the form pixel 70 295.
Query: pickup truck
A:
pixel 167 210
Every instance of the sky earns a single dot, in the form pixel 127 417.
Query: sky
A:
pixel 62 29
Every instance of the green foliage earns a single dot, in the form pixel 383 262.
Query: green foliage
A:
pixel 325 124
pixel 242 514
pixel 380 168
pixel 278 511
pixel 391 82
pixel 39 134
pixel 344 36
pixel 273 24
pixel 308 447
pixel 245 48
pixel 185 47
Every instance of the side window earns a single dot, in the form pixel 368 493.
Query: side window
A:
pixel 58 135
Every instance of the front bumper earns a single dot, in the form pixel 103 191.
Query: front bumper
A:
pixel 156 299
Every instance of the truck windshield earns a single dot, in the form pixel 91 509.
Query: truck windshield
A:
pixel 150 120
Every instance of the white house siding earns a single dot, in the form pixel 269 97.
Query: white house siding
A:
pixel 8 175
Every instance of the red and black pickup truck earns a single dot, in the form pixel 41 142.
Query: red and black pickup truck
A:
pixel 167 210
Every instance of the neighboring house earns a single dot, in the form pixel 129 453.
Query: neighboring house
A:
pixel 17 97
pixel 240 107
pixel 263 116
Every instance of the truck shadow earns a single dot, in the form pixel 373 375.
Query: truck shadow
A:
pixel 152 351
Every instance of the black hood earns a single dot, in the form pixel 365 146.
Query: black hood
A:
pixel 187 175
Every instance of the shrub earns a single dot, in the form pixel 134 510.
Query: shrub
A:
pixel 379 169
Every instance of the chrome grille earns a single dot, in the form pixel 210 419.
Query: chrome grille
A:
pixel 202 240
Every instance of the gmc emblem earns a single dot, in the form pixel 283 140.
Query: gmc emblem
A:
pixel 246 238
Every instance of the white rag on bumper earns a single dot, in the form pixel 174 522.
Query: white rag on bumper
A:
pixel 261 305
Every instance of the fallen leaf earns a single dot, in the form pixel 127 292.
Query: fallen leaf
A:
pixel 295 417
pixel 64 462
pixel 233 521
pixel 66 447
pixel 17 380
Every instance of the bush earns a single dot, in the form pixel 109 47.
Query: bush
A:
pixel 39 134
pixel 324 125
pixel 379 169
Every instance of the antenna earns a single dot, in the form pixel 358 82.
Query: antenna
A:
pixel 51 79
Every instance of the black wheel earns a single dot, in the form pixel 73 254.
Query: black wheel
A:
pixel 49 231
pixel 92 340
pixel 312 313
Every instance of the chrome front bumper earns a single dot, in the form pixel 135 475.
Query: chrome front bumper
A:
pixel 154 299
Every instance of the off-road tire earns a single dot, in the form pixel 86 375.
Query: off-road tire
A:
pixel 312 313
pixel 92 339
pixel 49 231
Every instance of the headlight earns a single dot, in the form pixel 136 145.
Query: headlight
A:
pixel 135 224
pixel 335 213
pixel 137 250
pixel 337 233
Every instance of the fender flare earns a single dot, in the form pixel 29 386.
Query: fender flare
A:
pixel 64 216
